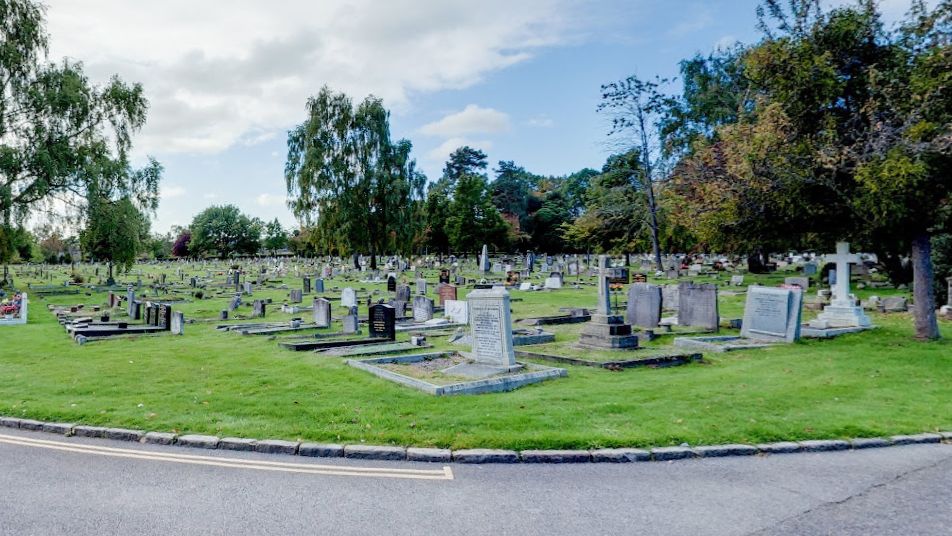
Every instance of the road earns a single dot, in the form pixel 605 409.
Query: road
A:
pixel 55 485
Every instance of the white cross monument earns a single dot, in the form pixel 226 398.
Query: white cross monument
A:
pixel 842 311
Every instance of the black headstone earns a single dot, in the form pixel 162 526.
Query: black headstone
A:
pixel 391 284
pixel 382 321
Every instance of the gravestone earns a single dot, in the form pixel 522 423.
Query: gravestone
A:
pixel 670 300
pixel 348 297
pixel 319 286
pixel 895 304
pixel 773 314
pixel 460 281
pixel 382 322
pixel 697 306
pixel 484 265
pixel 639 277
pixel 178 323
pixel 307 284
pixel 949 299
pixel 842 311
pixel 422 309
pixel 403 293
pixel 421 286
pixel 444 276
pixel 607 330
pixel 552 283
pixel 491 328
pixel 297 295
pixel 446 292
pixel 391 283
pixel 163 316
pixel 130 300
pixel 351 323
pixel 737 280
pixel 644 305
pixel 802 282
pixel 248 288
pixel 258 309
pixel 809 269
pixel 400 308
pixel 322 312
pixel 456 311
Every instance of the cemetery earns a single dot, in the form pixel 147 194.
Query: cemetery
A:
pixel 654 350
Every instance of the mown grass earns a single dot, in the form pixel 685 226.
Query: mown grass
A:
pixel 875 383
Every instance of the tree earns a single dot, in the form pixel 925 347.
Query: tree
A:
pixel 181 246
pixel 614 217
pixel 850 137
pixel 637 109
pixel 348 179
pixel 275 237
pixel 473 219
pixel 225 231
pixel 116 232
pixel 60 134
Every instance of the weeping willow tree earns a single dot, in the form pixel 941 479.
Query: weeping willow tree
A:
pixel 62 138
pixel 346 178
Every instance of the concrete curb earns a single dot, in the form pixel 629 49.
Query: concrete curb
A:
pixel 470 456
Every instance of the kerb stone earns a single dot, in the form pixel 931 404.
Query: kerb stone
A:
pixel 620 455
pixel 237 443
pixel 663 454
pixel 429 455
pixel 372 452
pixel 199 441
pixel 159 438
pixel 485 456
pixel 556 456
pixel 321 450
pixel 277 446
pixel 716 451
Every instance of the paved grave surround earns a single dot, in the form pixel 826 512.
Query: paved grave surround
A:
pixel 278 447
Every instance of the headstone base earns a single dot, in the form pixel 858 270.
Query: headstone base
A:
pixel 607 332
pixel 839 316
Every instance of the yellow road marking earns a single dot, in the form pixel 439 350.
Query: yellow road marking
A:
pixel 446 473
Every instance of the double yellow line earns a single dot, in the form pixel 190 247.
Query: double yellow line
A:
pixel 234 463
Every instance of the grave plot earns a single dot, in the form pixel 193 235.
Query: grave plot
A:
pixel 771 316
pixel 158 319
pixel 490 366
pixel 14 310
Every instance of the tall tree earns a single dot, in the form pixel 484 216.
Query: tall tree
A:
pixel 225 231
pixel 59 134
pixel 275 237
pixel 473 219
pixel 347 177
pixel 637 109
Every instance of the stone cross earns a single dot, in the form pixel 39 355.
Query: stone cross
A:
pixel 604 306
pixel 843 258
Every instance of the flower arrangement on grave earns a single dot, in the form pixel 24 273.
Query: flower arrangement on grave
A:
pixel 11 307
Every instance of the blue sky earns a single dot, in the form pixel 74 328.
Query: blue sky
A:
pixel 520 80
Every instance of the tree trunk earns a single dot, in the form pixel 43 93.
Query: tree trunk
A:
pixel 927 327
pixel 655 245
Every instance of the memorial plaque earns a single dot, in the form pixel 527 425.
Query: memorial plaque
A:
pixel 644 305
pixel 773 313
pixel 382 321
pixel 491 327
pixel 617 276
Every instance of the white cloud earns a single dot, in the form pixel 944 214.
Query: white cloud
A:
pixel 222 73
pixel 470 120
pixel 725 43
pixel 172 191
pixel 270 200
pixel 210 196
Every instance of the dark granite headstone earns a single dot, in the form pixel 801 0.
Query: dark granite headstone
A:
pixel 382 321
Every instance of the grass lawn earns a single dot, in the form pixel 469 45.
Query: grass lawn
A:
pixel 875 383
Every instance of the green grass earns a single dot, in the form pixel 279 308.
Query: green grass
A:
pixel 874 383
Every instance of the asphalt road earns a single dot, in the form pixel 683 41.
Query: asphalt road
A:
pixel 76 486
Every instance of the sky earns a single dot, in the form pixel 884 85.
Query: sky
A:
pixel 520 80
